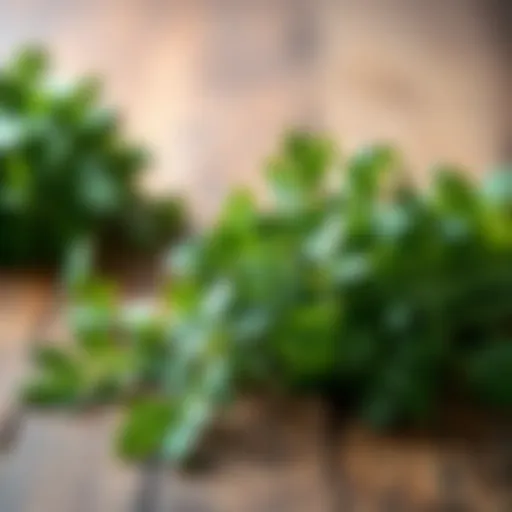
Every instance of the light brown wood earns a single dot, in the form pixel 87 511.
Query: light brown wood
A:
pixel 466 469
pixel 422 75
pixel 209 86
pixel 260 458
pixel 63 462
pixel 25 300
pixel 66 463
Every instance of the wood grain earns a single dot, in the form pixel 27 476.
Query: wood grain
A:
pixel 466 469
pixel 66 464
pixel 61 462
pixel 209 86
pixel 262 457
pixel 25 299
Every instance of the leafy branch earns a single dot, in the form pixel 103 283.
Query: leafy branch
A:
pixel 355 284
pixel 66 171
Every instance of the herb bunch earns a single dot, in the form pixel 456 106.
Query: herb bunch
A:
pixel 66 171
pixel 355 284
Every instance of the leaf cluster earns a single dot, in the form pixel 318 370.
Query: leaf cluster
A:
pixel 66 170
pixel 355 284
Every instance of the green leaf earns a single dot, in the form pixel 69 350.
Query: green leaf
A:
pixel 298 174
pixel 306 341
pixel 489 373
pixel 239 213
pixel 367 170
pixel 58 379
pixel 18 186
pixel 453 191
pixel 53 359
pixel 182 437
pixel 12 133
pixel 78 267
pixel 497 187
pixel 146 427
pixel 100 191
pixel 30 64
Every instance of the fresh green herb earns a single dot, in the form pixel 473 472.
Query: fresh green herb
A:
pixel 66 171
pixel 355 285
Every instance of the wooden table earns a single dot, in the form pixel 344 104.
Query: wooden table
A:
pixel 210 85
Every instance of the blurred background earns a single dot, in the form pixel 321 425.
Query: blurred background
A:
pixel 209 86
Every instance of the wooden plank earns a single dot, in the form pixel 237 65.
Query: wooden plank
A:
pixel 422 75
pixel 25 300
pixel 65 462
pixel 465 469
pixel 259 459
pixel 211 84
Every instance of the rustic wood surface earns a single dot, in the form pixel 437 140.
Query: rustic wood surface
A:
pixel 209 85
pixel 49 461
